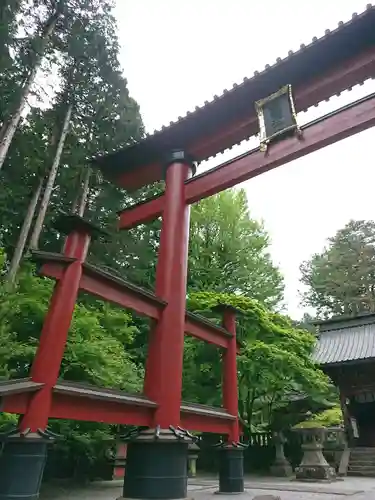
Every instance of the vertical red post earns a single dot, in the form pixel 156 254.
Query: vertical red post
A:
pixel 26 449
pixel 120 460
pixel 231 473
pixel 163 379
pixel 230 376
pixel 47 361
pixel 156 465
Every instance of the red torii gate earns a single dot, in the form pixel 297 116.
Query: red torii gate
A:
pixel 44 396
pixel 156 462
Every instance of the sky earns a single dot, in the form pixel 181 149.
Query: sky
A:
pixel 177 54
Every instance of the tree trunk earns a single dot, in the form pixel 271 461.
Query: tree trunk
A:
pixel 50 181
pixel 81 198
pixel 76 200
pixel 9 127
pixel 21 243
pixel 85 192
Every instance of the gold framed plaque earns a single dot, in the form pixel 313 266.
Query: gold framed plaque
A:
pixel 276 116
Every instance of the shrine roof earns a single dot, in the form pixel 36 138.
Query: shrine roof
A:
pixel 344 339
pixel 308 64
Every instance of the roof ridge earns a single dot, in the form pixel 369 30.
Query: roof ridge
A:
pixel 346 323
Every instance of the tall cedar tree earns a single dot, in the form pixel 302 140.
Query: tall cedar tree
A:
pixel 103 117
pixel 31 57
pixel 341 279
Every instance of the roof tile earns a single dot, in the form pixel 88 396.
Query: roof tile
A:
pixel 346 344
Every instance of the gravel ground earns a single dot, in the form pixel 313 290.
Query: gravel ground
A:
pixel 203 489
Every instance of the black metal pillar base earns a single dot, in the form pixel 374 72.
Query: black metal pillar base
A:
pixel 231 480
pixel 22 462
pixel 156 465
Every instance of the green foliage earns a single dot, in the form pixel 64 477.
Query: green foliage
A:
pixel 330 417
pixel 229 260
pixel 96 347
pixel 7 421
pixel 98 351
pixel 341 279
pixel 82 54
pixel 275 358
pixel 228 250
pixel 85 444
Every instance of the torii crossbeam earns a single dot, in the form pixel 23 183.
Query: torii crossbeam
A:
pixel 340 124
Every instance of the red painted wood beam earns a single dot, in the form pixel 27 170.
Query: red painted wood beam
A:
pixel 84 408
pixel 92 410
pixel 332 128
pixel 141 213
pixel 141 302
pixel 113 291
pixel 335 82
pixel 16 403
pixel 321 133
pixel 124 297
pixel 203 330
pixel 338 80
pixel 206 419
pixel 199 423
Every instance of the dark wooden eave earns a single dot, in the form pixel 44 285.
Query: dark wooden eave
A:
pixel 101 393
pixel 67 223
pixel 235 106
pixel 40 257
pixel 18 386
pixel 206 410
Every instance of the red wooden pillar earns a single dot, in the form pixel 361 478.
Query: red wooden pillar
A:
pixel 231 471
pixel 120 460
pixel 163 379
pixel 25 449
pixel 156 466
pixel 47 361
pixel 230 375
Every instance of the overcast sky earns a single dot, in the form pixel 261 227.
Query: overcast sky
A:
pixel 176 54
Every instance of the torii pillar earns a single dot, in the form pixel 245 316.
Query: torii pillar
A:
pixel 156 466
pixel 231 468
pixel 24 453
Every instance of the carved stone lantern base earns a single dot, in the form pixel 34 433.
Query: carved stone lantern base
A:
pixel 314 466
pixel 315 473
pixel 282 469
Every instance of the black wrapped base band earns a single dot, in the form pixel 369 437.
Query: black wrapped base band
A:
pixel 156 465
pixel 231 472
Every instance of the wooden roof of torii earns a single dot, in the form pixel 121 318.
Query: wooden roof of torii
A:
pixel 230 118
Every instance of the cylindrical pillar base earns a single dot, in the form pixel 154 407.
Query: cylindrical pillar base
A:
pixel 231 475
pixel 156 466
pixel 22 462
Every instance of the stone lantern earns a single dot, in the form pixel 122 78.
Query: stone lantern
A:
pixel 314 466
pixel 193 450
pixel 281 466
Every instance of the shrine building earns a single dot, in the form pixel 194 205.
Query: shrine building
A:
pixel 346 353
